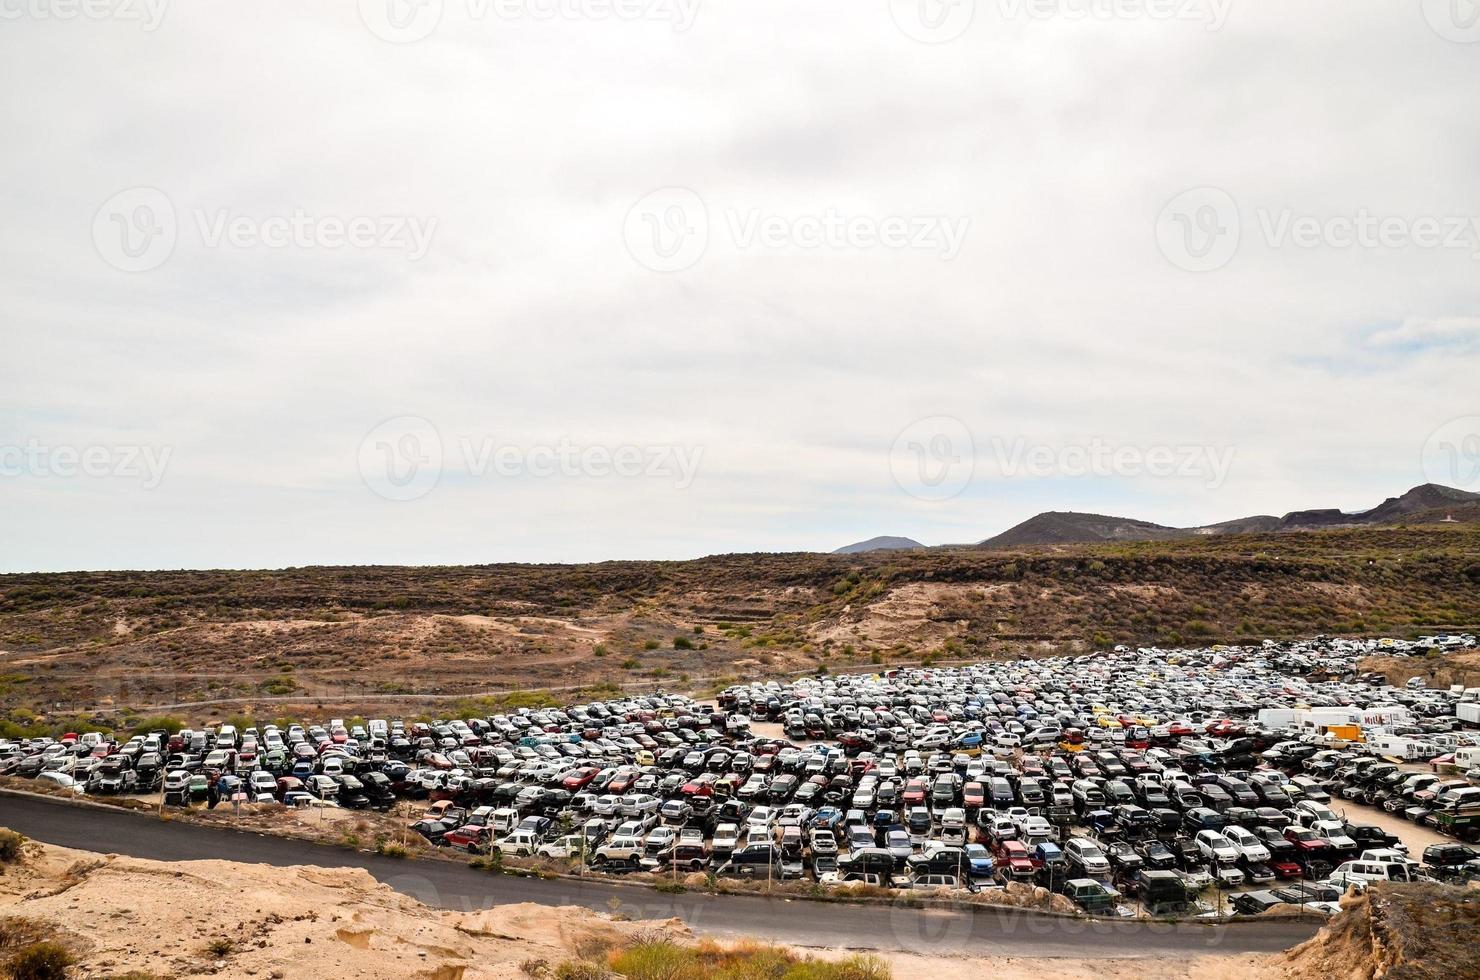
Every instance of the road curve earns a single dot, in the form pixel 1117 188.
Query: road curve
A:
pixel 980 931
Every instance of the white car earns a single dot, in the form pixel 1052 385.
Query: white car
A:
pixel 641 803
pixel 1250 847
pixel 762 817
pixel 1087 854
pixel 520 843
pixel 60 780
pixel 1216 848
pixel 569 846
pixel 726 838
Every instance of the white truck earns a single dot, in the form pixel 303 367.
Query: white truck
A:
pixel 1468 712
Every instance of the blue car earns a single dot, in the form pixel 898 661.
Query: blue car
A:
pixel 829 817
pixel 980 862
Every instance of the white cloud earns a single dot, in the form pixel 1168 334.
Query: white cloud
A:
pixel 1430 331
pixel 528 320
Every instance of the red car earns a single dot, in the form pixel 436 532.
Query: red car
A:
pixel 1308 841
pixel 577 779
pixel 472 839
pixel 1285 868
pixel 1012 858
pixel 703 786
pixel 974 795
pixel 915 792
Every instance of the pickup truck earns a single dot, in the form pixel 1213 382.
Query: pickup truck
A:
pixel 1457 821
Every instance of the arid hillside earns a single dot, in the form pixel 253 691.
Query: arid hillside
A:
pixel 1407 932
pixel 371 637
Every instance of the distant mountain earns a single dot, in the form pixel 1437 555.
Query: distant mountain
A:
pixel 1241 525
pixel 1424 504
pixel 883 543
pixel 1429 496
pixel 1056 527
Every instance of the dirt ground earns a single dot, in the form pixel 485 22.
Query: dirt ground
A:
pixel 231 920
pixel 415 641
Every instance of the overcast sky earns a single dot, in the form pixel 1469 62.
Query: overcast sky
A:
pixel 485 281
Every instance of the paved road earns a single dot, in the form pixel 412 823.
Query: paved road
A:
pixel 452 886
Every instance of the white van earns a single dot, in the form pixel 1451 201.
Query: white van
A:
pixel 504 820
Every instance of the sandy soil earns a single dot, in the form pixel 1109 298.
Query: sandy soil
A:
pixel 232 920
pixel 239 920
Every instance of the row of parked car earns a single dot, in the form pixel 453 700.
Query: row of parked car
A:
pixel 1134 773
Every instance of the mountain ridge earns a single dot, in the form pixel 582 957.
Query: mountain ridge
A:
pixel 1425 503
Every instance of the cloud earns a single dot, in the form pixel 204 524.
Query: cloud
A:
pixel 795 368
pixel 1427 332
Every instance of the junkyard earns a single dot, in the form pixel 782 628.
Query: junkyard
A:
pixel 1170 782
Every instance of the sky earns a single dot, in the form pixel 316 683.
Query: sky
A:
pixel 467 281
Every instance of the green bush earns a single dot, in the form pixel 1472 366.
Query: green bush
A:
pixel 40 961
pixel 682 643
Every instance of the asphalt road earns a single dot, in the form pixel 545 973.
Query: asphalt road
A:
pixel 832 925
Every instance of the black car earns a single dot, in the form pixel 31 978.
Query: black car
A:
pixel 1157 855
pixel 1253 903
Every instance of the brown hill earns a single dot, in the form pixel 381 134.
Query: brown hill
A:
pixel 1428 503
pixel 1055 527
pixel 1398 932
pixel 413 641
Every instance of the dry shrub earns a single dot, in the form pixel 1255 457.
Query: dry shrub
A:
pixel 11 845
pixel 45 960
pixel 581 970
pixel 666 960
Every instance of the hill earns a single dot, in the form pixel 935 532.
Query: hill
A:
pixel 1424 499
pixel 1057 527
pixel 413 641
pixel 1428 503
pixel 882 543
